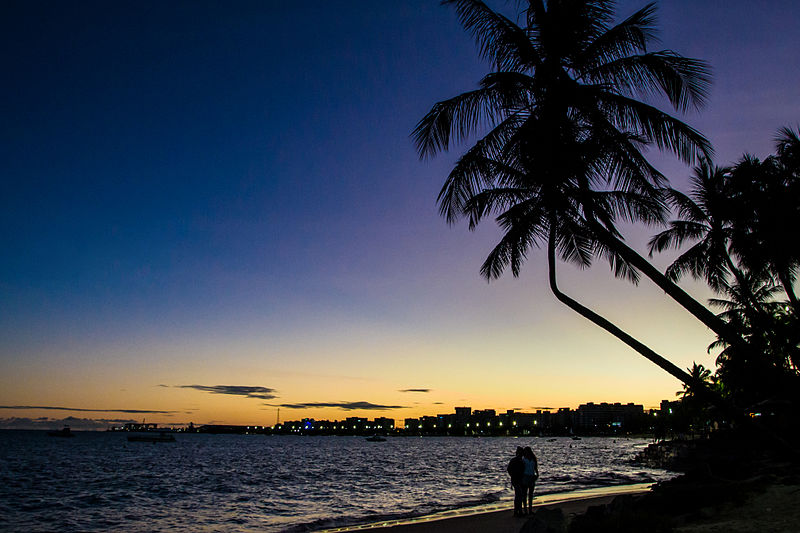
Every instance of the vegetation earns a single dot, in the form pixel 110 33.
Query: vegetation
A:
pixel 740 219
pixel 557 130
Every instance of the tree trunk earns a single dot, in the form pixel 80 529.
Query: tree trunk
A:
pixel 787 286
pixel 698 310
pixel 744 285
pixel 699 387
pixel 598 320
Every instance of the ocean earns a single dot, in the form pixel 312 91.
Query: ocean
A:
pixel 101 482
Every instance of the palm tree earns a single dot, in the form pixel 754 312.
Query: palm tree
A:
pixel 704 218
pixel 766 212
pixel 563 126
pixel 707 216
pixel 769 366
pixel 700 374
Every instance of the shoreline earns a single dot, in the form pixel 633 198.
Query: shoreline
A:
pixel 497 517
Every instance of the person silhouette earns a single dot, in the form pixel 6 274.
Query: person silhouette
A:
pixel 529 476
pixel 516 469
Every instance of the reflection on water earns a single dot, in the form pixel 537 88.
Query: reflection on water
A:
pixel 99 481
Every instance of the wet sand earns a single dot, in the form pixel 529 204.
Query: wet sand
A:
pixel 498 518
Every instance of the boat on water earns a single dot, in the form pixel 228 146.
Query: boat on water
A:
pixel 63 432
pixel 376 438
pixel 161 437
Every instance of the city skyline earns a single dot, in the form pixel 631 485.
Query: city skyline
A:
pixel 212 213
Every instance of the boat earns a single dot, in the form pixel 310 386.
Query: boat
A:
pixel 64 432
pixel 376 438
pixel 161 437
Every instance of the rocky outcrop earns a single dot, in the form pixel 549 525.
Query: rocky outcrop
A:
pixel 546 521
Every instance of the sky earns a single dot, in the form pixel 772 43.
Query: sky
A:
pixel 210 211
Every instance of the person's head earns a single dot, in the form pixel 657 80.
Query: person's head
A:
pixel 527 452
pixel 520 451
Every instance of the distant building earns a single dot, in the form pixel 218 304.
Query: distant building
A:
pixel 605 417
pixel 383 424
pixel 412 424
pixel 355 424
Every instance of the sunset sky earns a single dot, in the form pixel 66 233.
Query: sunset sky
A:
pixel 212 210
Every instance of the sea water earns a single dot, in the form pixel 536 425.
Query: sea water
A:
pixel 102 482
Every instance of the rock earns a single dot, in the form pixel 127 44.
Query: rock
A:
pixel 707 512
pixel 545 521
pixel 622 503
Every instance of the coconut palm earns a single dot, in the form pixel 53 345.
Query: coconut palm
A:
pixel 705 218
pixel 766 212
pixel 700 374
pixel 769 365
pixel 562 127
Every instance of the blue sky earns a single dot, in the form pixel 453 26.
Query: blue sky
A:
pixel 228 191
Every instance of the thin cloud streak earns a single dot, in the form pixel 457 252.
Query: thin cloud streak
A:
pixel 262 393
pixel 414 390
pixel 347 406
pixel 75 423
pixel 78 409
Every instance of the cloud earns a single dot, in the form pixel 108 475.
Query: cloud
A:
pixel 544 408
pixel 80 424
pixel 263 393
pixel 414 390
pixel 347 406
pixel 78 409
pixel 438 403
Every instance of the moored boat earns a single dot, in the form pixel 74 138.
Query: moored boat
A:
pixel 161 437
pixel 63 432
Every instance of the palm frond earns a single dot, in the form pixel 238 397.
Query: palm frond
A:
pixel 684 81
pixel 628 37
pixel 455 119
pixel 679 232
pixel 698 261
pixel 685 207
pixel 575 244
pixel 621 268
pixel 631 206
pixel 618 156
pixel 499 40
pixel 494 200
pixel 667 132
pixel 478 169
pixel 524 225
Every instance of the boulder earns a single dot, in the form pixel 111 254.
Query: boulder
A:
pixel 545 521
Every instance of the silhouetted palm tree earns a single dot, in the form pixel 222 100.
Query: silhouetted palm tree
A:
pixel 562 130
pixel 704 216
pixel 700 373
pixel 768 367
pixel 788 158
pixel 738 307
pixel 765 196
pixel 707 216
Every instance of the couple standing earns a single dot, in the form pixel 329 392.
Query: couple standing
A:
pixel 524 471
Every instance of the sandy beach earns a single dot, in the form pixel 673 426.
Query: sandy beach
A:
pixel 498 518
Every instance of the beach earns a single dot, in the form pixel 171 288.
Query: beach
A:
pixel 772 507
pixel 498 518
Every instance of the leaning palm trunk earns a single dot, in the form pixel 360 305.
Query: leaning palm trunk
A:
pixel 697 385
pixel 698 310
pixel 786 282
pixel 607 325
